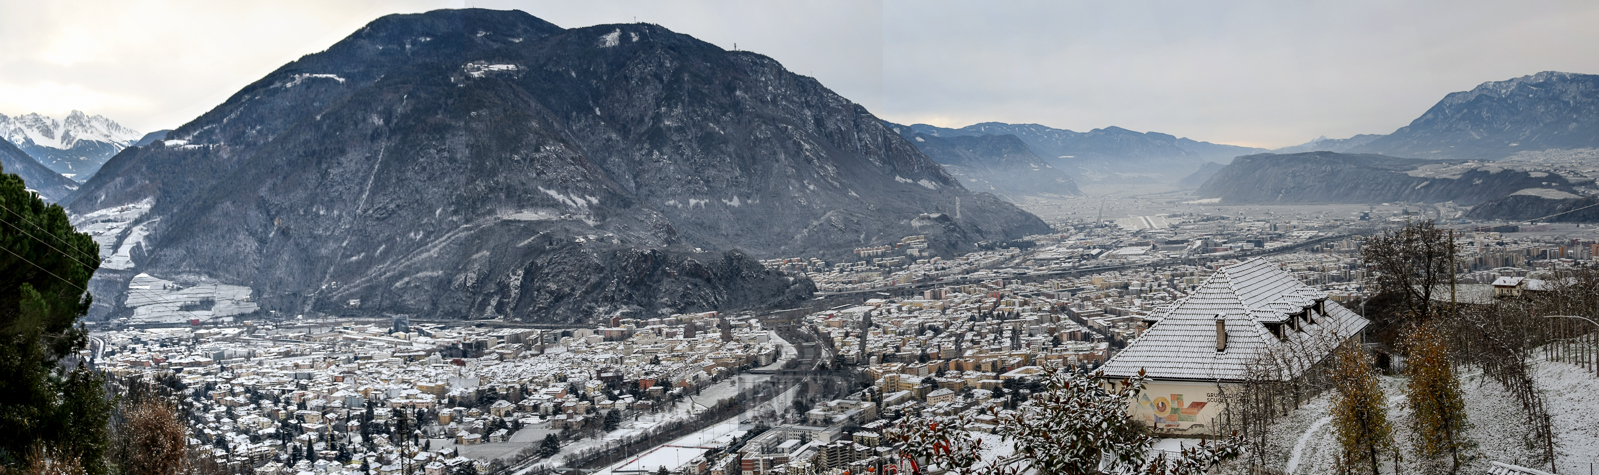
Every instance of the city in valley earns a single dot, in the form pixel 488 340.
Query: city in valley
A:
pixel 891 333
pixel 798 238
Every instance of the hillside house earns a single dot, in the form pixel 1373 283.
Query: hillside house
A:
pixel 1248 321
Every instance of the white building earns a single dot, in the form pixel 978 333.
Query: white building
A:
pixel 1250 318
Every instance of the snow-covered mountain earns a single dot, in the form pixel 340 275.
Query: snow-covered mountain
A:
pixel 75 147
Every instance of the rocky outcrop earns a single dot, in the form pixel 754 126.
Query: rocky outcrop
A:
pixel 469 163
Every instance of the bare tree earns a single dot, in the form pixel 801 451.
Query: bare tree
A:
pixel 1407 266
pixel 153 438
pixel 53 461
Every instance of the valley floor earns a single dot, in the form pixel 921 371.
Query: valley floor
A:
pixel 1127 200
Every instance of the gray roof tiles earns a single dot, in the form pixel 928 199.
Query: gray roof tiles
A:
pixel 1249 295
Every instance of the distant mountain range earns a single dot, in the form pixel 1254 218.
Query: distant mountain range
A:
pixel 1324 144
pixel 1110 155
pixel 74 147
pixel 1548 110
pixel 475 163
pixel 998 164
pixel 1548 115
pixel 1328 177
pixel 51 185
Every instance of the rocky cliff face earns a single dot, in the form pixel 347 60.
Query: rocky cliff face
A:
pixel 1111 154
pixel 1548 110
pixel 51 185
pixel 1327 177
pixel 998 164
pixel 469 163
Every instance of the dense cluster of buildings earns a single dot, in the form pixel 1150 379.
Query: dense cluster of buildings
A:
pixel 946 336
pixel 332 397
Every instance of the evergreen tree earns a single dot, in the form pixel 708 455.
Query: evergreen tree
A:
pixel 45 267
pixel 1360 410
pixel 1438 419
pixel 613 420
pixel 550 446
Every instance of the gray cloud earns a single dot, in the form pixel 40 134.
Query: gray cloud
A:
pixel 1256 73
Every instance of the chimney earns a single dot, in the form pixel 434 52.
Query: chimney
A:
pixel 1221 332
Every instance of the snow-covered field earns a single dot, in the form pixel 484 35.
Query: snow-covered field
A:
pixel 669 457
pixel 156 300
pixel 108 226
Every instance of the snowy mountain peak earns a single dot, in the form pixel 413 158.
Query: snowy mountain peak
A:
pixel 45 131
pixel 74 147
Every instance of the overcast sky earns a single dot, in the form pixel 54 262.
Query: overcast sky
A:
pixel 1264 73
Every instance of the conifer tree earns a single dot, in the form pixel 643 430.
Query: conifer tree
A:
pixel 550 446
pixel 1438 419
pixel 45 267
pixel 1360 412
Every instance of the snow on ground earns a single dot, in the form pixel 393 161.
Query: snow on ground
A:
pixel 670 457
pixel 1548 194
pixel 107 226
pixel 1314 432
pixel 1572 393
pixel 156 300
pixel 123 258
pixel 716 435
pixel 1499 430
pixel 299 78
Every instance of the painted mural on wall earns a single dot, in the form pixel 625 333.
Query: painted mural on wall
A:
pixel 1169 412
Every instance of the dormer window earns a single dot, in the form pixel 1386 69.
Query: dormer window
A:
pixel 1276 330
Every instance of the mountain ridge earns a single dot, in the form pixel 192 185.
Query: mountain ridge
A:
pixel 51 185
pixel 559 164
pixel 1329 177
pixel 74 147
pixel 1110 154
pixel 1496 119
pixel 998 164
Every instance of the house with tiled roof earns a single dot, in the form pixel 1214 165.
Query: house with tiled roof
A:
pixel 1248 321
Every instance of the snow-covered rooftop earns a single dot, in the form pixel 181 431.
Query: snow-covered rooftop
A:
pixel 1251 297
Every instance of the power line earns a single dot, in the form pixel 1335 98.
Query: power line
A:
pixel 36 238
pixel 1562 212
pixel 47 271
pixel 159 299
